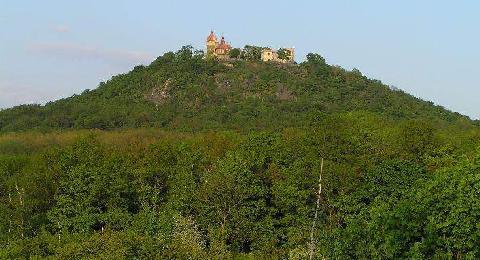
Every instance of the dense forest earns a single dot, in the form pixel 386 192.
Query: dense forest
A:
pixel 189 158
pixel 183 91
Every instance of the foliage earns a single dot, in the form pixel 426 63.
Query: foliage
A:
pixel 235 53
pixel 207 161
pixel 284 54
pixel 225 194
pixel 183 91
pixel 252 53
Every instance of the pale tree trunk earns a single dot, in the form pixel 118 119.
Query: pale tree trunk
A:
pixel 312 240
pixel 11 214
pixel 21 194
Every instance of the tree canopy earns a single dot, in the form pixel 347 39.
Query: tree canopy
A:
pixel 182 90
pixel 191 158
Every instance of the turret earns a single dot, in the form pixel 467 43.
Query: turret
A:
pixel 211 44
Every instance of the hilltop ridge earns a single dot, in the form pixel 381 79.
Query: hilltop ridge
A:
pixel 182 90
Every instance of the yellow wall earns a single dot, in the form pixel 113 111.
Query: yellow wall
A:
pixel 271 55
pixel 211 48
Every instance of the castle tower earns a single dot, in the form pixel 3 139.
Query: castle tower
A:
pixel 211 44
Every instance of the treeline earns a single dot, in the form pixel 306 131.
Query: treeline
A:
pixel 254 53
pixel 184 91
pixel 391 189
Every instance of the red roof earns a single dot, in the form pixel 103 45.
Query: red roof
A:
pixel 211 37
pixel 223 45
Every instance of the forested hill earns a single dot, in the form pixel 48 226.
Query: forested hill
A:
pixel 182 90
pixel 399 176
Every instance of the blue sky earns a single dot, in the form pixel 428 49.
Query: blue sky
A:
pixel 52 49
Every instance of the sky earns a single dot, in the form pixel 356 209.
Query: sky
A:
pixel 52 49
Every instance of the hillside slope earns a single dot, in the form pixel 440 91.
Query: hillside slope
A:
pixel 181 90
pixel 399 176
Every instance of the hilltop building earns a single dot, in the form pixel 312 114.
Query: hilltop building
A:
pixel 220 50
pixel 272 55
pixel 217 49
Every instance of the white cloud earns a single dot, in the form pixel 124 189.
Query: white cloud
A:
pixel 83 52
pixel 61 28
pixel 69 78
pixel 15 93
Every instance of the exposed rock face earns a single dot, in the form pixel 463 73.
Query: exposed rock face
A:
pixel 160 94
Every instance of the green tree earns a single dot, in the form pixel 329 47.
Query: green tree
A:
pixel 284 54
pixel 93 192
pixel 417 137
pixel 252 53
pixel 187 241
pixel 234 53
pixel 230 198
pixel 315 58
